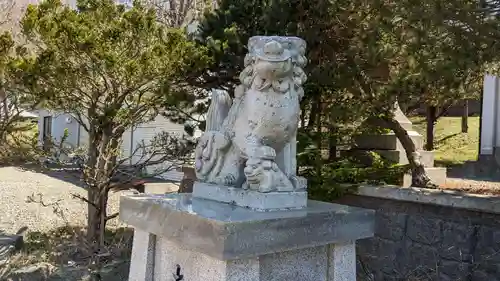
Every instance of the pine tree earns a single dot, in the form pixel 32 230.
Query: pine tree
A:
pixel 364 56
pixel 112 68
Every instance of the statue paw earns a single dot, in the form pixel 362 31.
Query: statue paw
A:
pixel 266 188
pixel 209 150
pixel 299 183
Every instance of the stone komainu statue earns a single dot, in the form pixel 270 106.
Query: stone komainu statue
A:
pixel 250 141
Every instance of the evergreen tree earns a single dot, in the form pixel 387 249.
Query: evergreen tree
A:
pixel 112 68
pixel 364 56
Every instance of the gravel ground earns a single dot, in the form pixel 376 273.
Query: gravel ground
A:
pixel 473 186
pixel 17 185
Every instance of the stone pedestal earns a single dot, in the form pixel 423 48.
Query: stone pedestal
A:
pixel 178 237
pixel 270 201
pixel 256 224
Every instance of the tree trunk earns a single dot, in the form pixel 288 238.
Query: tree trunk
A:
pixel 431 120
pixel 93 223
pixel 4 110
pixel 303 118
pixel 96 230
pixel 313 114
pixel 332 145
pixel 319 138
pixel 99 170
pixel 419 176
pixel 465 117
pixel 89 175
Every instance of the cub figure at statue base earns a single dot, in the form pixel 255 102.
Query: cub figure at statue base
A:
pixel 245 137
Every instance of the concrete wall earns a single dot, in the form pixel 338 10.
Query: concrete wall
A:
pixel 422 235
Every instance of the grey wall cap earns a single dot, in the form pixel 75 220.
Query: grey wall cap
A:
pixel 456 199
pixel 229 232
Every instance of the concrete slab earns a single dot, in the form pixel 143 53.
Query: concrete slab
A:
pixel 448 198
pixel 10 244
pixel 160 187
pixel 227 232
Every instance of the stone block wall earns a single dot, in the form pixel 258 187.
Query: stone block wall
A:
pixel 417 241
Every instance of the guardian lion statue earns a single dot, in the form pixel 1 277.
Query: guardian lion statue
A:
pixel 244 136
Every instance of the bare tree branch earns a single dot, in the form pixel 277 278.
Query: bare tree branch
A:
pixel 6 9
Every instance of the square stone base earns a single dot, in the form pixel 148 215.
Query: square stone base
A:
pixel 323 263
pixel 251 199
pixel 214 241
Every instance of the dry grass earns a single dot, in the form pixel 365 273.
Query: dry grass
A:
pixel 55 222
pixel 55 233
pixel 64 249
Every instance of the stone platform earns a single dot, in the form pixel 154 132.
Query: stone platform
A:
pixel 214 241
pixel 252 199
pixel 9 244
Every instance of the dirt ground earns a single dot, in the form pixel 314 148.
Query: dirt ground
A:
pixel 473 186
pixel 53 226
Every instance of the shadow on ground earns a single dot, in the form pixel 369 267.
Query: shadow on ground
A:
pixel 484 170
pixel 63 254
pixel 444 139
pixel 74 175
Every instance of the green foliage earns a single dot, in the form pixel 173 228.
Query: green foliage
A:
pixel 330 179
pixel 363 56
pixel 17 143
pixel 105 62
pixel 112 67
pixel 333 180
pixel 6 48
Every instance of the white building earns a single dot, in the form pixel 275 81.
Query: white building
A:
pixel 53 125
pixel 490 116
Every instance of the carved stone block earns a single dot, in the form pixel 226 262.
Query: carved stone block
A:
pixel 258 201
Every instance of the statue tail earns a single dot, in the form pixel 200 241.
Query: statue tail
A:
pixel 218 110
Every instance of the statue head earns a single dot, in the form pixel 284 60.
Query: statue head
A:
pixel 273 51
pixel 274 61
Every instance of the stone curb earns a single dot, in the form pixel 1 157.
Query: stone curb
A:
pixel 475 202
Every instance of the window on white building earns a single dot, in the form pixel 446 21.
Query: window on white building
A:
pixel 128 3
